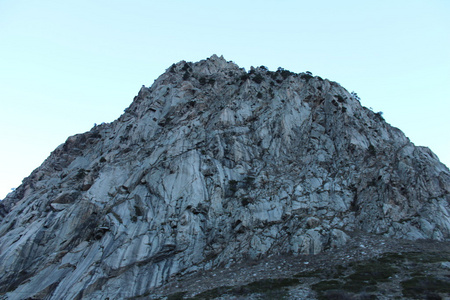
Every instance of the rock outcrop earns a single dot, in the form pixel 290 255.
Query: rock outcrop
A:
pixel 209 166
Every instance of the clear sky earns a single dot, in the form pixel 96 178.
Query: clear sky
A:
pixel 65 65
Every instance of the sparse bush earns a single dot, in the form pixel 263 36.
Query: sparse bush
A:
pixel 340 98
pixel 186 67
pixel 425 287
pixel 176 296
pixel 326 285
pixel 284 73
pixel 337 295
pixel 81 173
pixel 249 180
pixel 355 95
pixel 379 115
pixel 273 75
pixel 258 78
pixel 246 201
pixel 244 77
pixel 306 77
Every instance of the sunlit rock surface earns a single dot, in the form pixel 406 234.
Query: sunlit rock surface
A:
pixel 209 166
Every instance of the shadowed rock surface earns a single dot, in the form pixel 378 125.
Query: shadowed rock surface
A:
pixel 210 166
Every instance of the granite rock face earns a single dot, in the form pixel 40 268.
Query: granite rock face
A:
pixel 209 166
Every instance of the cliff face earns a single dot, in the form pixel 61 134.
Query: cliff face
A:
pixel 209 166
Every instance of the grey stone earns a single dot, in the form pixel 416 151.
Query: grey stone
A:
pixel 445 265
pixel 205 171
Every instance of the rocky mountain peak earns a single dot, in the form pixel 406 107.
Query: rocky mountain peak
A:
pixel 209 166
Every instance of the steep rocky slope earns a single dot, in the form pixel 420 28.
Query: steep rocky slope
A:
pixel 368 267
pixel 209 166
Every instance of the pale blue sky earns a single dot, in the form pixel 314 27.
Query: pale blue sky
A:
pixel 65 65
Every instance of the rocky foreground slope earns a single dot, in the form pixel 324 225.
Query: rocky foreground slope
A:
pixel 210 166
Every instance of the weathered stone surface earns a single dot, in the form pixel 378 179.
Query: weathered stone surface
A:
pixel 207 167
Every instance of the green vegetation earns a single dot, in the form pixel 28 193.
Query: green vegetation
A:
pixel 306 77
pixel 316 273
pixel 246 201
pixel 379 115
pixel 340 98
pixel 81 173
pixel 327 285
pixel 356 280
pixel 284 73
pixel 212 293
pixel 249 180
pixel 204 80
pixel 176 296
pixel 267 288
pixel 425 287
pixel 258 78
pixel 415 257
pixel 186 67
pixel 365 276
pixel 273 75
pixel 355 95
pixel 244 77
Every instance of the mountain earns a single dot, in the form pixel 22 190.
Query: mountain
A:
pixel 209 167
